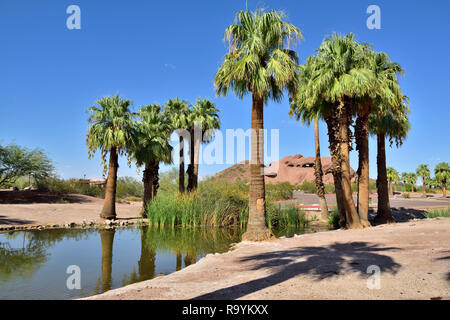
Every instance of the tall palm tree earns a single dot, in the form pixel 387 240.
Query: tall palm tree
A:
pixel 335 76
pixel 424 172
pixel 261 63
pixel 178 111
pixel 203 118
pixel 387 122
pixel 412 179
pixel 306 116
pixel 151 146
pixel 384 91
pixel 110 130
pixel 404 179
pixel 442 175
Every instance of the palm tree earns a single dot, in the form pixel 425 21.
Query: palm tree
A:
pixel 259 62
pixel 412 179
pixel 307 117
pixel 384 93
pixel 392 176
pixel 110 130
pixel 442 175
pixel 178 111
pixel 404 179
pixel 387 122
pixel 334 77
pixel 424 172
pixel 151 146
pixel 203 117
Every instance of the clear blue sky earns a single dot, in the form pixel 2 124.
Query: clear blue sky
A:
pixel 150 51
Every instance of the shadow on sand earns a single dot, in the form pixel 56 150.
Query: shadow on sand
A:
pixel 319 262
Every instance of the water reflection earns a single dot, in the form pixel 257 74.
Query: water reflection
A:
pixel 33 263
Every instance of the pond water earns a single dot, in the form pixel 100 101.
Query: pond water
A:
pixel 33 264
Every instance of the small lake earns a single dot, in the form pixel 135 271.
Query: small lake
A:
pixel 33 264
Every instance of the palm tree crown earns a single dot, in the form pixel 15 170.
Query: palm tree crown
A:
pixel 260 60
pixel 110 126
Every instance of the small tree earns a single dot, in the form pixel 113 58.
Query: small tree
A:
pixel 392 176
pixel 442 175
pixel 424 172
pixel 412 179
pixel 17 161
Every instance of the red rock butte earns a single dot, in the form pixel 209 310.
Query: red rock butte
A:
pixel 293 169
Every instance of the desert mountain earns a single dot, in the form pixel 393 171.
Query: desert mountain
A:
pixel 293 169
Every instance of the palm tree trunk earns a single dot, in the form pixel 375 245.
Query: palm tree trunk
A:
pixel 333 137
pixel 109 205
pixel 107 239
pixel 181 169
pixel 257 229
pixel 319 175
pixel 352 218
pixel 155 180
pixel 148 186
pixel 190 169
pixel 424 187
pixel 384 214
pixel 196 159
pixel 362 145
pixel 444 190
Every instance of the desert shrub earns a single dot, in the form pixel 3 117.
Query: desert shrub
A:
pixel 129 187
pixel 308 187
pixel 333 219
pixel 406 195
pixel 279 191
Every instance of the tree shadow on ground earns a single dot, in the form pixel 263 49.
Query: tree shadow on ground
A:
pixel 319 262
pixel 35 196
pixel 445 258
pixel 8 221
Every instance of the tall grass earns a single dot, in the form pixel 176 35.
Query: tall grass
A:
pixel 218 203
pixel 438 213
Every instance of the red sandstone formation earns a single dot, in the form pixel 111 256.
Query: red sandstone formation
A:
pixel 293 169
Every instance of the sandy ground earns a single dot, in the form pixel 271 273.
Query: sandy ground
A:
pixel 414 259
pixel 78 209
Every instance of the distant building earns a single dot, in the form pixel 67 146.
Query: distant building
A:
pixel 94 182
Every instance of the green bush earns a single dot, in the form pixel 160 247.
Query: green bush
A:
pixel 279 191
pixel 308 187
pixel 333 219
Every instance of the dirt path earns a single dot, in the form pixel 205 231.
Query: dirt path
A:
pixel 78 209
pixel 414 258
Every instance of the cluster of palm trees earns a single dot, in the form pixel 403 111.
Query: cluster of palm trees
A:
pixel 343 81
pixel 440 180
pixel 144 137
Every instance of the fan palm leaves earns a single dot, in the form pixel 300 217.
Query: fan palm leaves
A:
pixel 384 91
pixel 424 172
pixel 151 146
pixel 203 119
pixel 178 111
pixel 110 130
pixel 260 62
pixel 442 175
pixel 391 122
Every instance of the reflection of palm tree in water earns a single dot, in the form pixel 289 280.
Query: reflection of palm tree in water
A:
pixel 191 257
pixel 179 260
pixel 146 263
pixel 107 239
